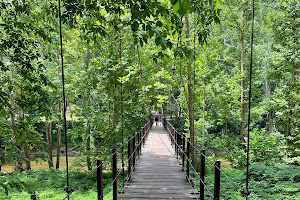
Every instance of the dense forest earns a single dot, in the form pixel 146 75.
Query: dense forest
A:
pixel 187 59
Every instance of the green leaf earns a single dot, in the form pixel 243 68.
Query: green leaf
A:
pixel 176 6
pixel 135 25
pixel 159 23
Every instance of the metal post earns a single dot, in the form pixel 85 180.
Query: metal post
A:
pixel 217 180
pixel 138 149
pixel 133 150
pixel 115 184
pixel 177 142
pixel 183 151
pixel 99 180
pixel 187 160
pixel 140 143
pixel 172 133
pixel 129 160
pixel 202 173
pixel 144 138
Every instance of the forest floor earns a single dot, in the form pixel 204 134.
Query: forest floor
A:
pixel 275 182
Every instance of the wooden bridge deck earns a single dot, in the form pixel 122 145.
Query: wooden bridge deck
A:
pixel 158 174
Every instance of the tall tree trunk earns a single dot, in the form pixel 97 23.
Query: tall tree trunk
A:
pixel 288 128
pixel 242 81
pixel 27 155
pixel 270 117
pixel 71 115
pixel 58 136
pixel 49 142
pixel 88 132
pixel 88 148
pixel 19 164
pixel 190 95
pixel 25 144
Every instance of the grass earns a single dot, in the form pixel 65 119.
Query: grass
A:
pixel 276 181
pixel 267 182
pixel 50 184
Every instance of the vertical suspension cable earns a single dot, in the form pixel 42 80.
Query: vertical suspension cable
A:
pixel 194 60
pixel 64 95
pixel 249 103
pixel 122 116
pixel 195 44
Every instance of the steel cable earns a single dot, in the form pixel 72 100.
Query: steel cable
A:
pixel 192 166
pixel 185 170
pixel 122 113
pixel 91 172
pixel 64 96
pixel 249 106
pixel 124 166
pixel 238 187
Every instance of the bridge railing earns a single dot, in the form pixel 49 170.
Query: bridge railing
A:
pixel 182 146
pixel 134 149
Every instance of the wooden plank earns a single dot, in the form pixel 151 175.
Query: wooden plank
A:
pixel 158 174
pixel 156 195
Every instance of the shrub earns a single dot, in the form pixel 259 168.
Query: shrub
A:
pixel 266 147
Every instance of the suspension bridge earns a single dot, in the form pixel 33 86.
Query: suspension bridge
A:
pixel 158 174
pixel 158 166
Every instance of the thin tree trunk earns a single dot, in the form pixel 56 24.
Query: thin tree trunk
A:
pixel 58 136
pixel 27 155
pixel 242 81
pixel 71 115
pixel 88 148
pixel 88 133
pixel 49 142
pixel 25 144
pixel 19 164
pixel 288 128
pixel 271 126
pixel 190 95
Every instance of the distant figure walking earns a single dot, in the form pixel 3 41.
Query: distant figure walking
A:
pixel 157 118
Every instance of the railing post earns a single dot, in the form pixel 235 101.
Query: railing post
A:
pixel 177 142
pixel 129 160
pixel 187 160
pixel 183 151
pixel 115 184
pixel 217 180
pixel 173 136
pixel 99 180
pixel 140 143
pixel 144 137
pixel 133 150
pixel 138 147
pixel 202 173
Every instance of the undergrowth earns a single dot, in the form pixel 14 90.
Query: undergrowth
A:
pixel 50 184
pixel 275 181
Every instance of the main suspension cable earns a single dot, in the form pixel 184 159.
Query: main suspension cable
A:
pixel 122 115
pixel 249 103
pixel 64 95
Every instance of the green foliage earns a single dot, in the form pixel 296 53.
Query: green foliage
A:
pixel 50 184
pixel 275 181
pixel 232 149
pixel 12 183
pixel 266 147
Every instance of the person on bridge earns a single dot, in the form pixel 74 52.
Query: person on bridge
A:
pixel 157 118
